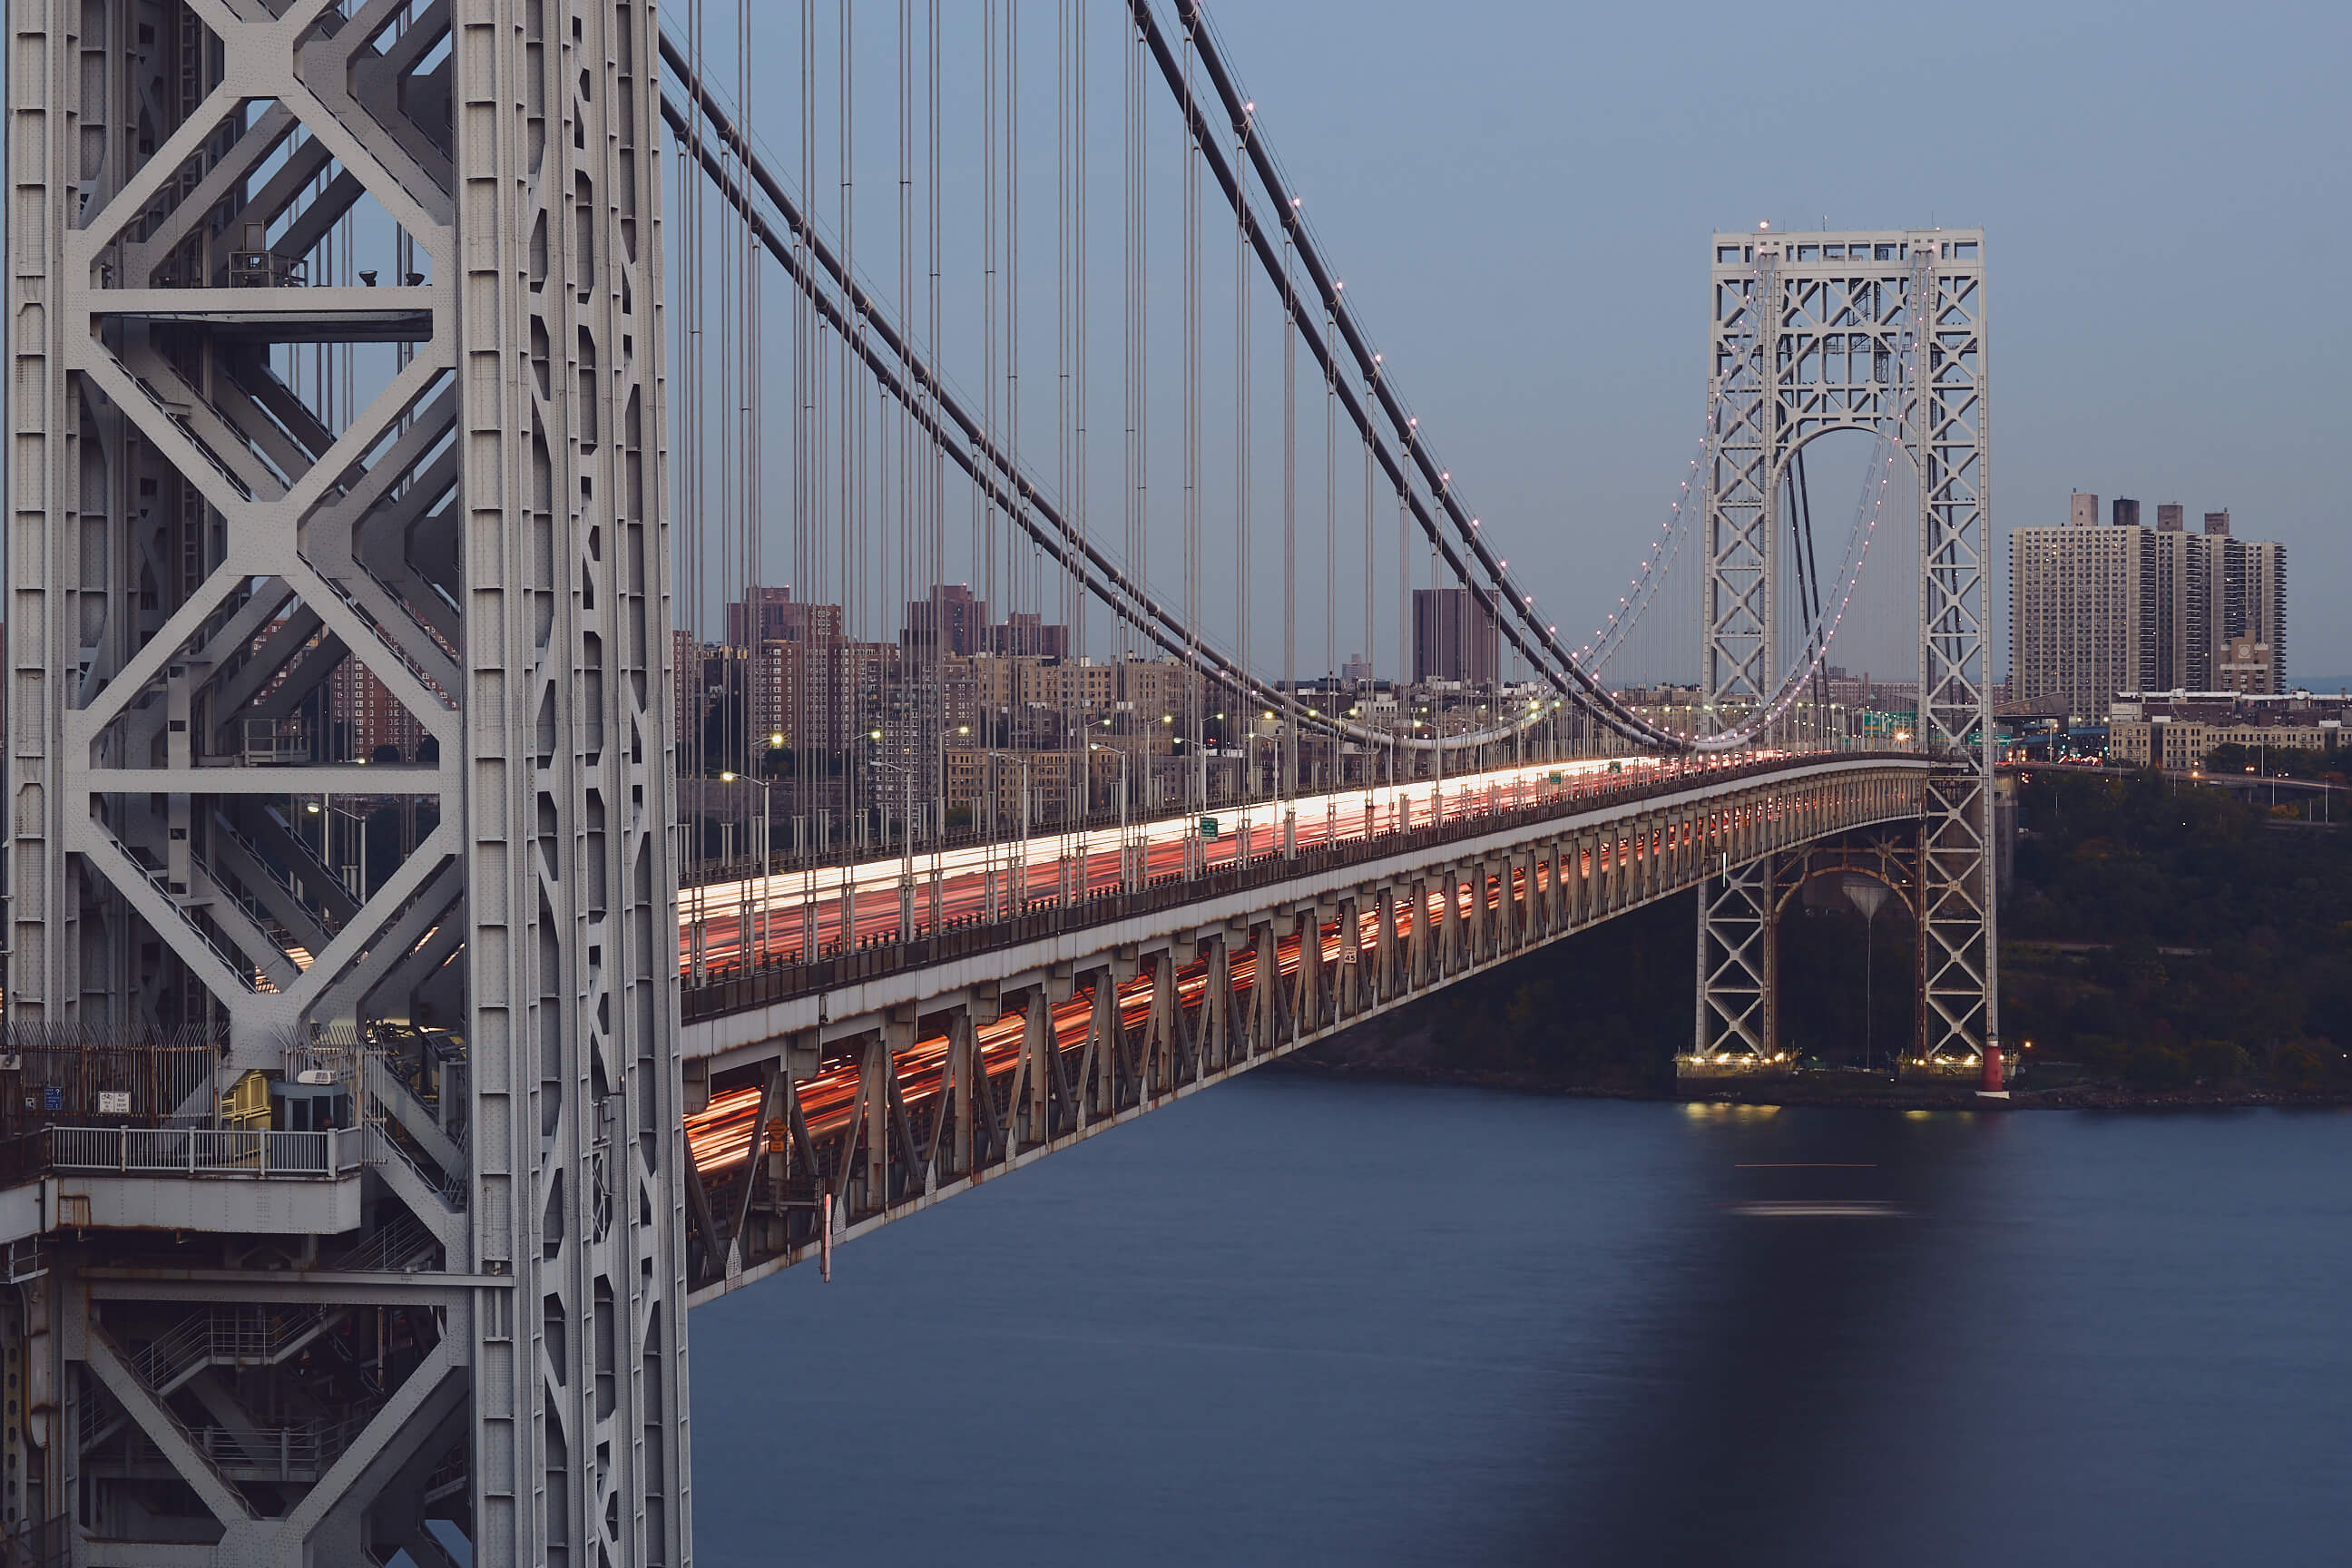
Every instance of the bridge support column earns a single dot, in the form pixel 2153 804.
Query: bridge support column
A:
pixel 1384 946
pixel 951 1124
pixel 1265 991
pixel 1158 1051
pixel 1956 1007
pixel 1217 1010
pixel 1738 1011
pixel 1306 992
pixel 1445 919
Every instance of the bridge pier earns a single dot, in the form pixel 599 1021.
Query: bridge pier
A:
pixel 1739 1016
pixel 1738 963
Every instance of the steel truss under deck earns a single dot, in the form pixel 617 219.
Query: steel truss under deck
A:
pixel 247 471
pixel 1880 331
pixel 901 1091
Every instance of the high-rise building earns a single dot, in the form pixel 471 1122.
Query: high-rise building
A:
pixel 2095 611
pixel 760 617
pixel 1455 637
pixel 2077 603
pixel 2182 609
pixel 2083 510
pixel 373 722
pixel 2249 667
pixel 2247 598
pixel 772 615
pixel 950 619
pixel 1022 634
pixel 2125 511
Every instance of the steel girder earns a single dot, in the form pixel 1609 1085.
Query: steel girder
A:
pixel 1950 441
pixel 200 541
pixel 579 1416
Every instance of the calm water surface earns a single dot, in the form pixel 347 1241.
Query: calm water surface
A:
pixel 1298 1321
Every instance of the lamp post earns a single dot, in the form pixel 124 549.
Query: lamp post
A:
pixel 1016 857
pixel 906 846
pixel 755 942
pixel 1125 877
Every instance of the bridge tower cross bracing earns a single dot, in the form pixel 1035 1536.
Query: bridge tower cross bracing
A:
pixel 246 473
pixel 1881 331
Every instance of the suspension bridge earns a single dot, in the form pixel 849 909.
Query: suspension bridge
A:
pixel 640 643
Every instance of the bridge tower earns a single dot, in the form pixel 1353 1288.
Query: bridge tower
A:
pixel 338 627
pixel 1880 331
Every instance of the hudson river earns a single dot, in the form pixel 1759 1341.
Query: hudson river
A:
pixel 1293 1320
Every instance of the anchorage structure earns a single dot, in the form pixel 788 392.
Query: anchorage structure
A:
pixel 338 351
pixel 1884 332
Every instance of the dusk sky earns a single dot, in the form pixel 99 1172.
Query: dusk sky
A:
pixel 1521 200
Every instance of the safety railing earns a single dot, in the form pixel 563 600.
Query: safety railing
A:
pixel 204 1152
pixel 299 1451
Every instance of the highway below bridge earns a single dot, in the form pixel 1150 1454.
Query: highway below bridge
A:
pixel 828 1096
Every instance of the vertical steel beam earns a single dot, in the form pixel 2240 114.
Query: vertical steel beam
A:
pixel 571 878
pixel 500 495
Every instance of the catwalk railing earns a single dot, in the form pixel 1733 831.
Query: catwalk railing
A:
pixel 204 1152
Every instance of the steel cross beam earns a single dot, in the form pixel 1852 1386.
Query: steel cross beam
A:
pixel 210 534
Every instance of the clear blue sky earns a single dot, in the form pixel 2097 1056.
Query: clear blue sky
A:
pixel 1521 194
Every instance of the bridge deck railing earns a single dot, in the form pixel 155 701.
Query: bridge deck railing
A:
pixel 784 980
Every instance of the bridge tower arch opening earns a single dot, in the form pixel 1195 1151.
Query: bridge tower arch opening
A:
pixel 1884 332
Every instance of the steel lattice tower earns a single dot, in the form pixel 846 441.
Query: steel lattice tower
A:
pixel 201 545
pixel 1883 332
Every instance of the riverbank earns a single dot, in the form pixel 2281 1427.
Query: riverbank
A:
pixel 2161 952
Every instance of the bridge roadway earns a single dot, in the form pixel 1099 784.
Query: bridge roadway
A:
pixel 789 915
pixel 893 1074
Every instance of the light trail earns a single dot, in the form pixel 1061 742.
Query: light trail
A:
pixel 721 1135
pixel 1003 877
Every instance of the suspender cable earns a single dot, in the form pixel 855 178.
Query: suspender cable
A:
pixel 901 373
pixel 1523 628
pixel 1132 323
pixel 1288 781
pixel 1330 570
pixel 1242 562
pixel 1196 717
pixel 984 497
pixel 928 415
pixel 750 270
